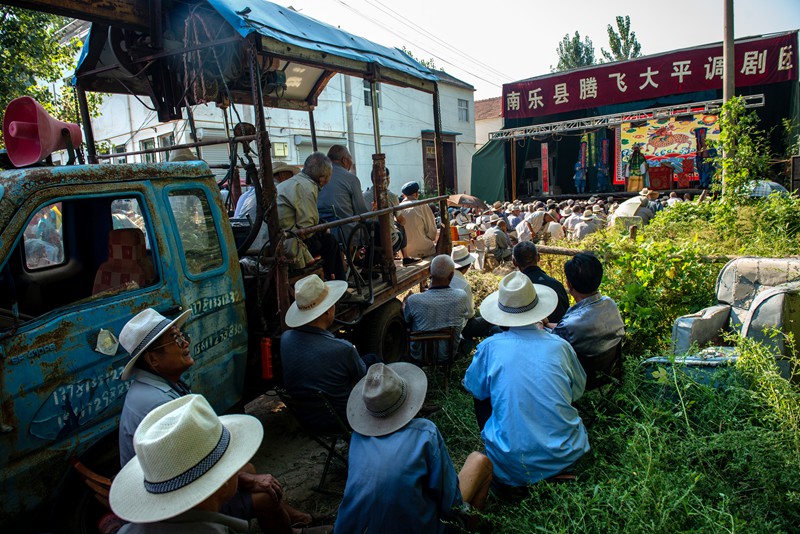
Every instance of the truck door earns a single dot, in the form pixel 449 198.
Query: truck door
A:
pixel 80 267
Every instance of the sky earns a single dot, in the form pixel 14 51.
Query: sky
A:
pixel 490 43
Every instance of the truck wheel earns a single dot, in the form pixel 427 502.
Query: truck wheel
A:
pixel 383 332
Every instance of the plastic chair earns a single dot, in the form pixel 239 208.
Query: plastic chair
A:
pixel 430 341
pixel 318 402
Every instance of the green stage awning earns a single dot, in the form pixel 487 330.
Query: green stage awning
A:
pixel 489 171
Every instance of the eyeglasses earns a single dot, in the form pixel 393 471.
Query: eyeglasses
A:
pixel 180 339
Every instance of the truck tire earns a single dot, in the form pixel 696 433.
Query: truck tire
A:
pixel 383 332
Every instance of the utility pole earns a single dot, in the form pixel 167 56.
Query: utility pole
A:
pixel 728 57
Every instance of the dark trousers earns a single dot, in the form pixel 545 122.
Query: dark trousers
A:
pixel 323 244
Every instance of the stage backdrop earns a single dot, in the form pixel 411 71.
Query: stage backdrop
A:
pixel 668 143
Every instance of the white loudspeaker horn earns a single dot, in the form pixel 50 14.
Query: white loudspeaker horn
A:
pixel 31 134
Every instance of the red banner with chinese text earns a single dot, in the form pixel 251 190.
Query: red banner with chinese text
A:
pixel 545 168
pixel 758 62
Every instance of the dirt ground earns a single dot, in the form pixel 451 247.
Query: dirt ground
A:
pixel 295 459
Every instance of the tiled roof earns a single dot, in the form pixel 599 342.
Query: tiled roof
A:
pixel 491 108
pixel 451 80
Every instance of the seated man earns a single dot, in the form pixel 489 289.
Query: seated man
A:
pixel 341 197
pixel 593 326
pixel 420 226
pixel 441 306
pixel 526 366
pixel 401 478
pixel 587 225
pixel 526 259
pixel 396 231
pixel 498 244
pixel 476 326
pixel 160 354
pixel 246 207
pixel 312 358
pixel 297 209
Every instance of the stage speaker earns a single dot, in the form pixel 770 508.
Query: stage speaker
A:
pixel 31 134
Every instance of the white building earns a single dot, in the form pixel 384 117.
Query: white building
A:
pixel 488 119
pixel 343 116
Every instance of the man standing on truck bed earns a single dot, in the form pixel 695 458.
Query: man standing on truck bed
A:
pixel 160 354
pixel 297 209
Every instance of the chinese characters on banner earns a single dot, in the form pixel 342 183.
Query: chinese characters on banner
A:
pixel 758 62
pixel 545 169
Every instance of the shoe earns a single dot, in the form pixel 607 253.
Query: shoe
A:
pixel 410 260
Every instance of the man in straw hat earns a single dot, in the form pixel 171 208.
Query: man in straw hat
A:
pixel 587 225
pixel 160 354
pixel 400 477
pixel 476 326
pixel 441 306
pixel 312 358
pixel 186 466
pixel 526 366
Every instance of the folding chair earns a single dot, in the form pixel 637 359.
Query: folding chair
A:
pixel 318 402
pixel 431 341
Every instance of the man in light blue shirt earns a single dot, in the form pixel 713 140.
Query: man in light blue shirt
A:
pixel 526 367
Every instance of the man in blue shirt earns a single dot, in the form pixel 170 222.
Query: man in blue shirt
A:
pixel 400 477
pixel 526 366
pixel 593 326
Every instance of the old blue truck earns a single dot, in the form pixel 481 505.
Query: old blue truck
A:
pixel 84 247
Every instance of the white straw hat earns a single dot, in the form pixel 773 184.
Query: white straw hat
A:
pixel 141 331
pixel 184 454
pixel 387 398
pixel 312 298
pixel 587 215
pixel 518 302
pixel 462 256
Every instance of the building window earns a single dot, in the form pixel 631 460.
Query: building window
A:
pixel 148 144
pixel 165 141
pixel 120 149
pixel 463 110
pixel 368 93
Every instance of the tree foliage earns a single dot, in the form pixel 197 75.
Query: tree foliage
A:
pixel 33 57
pixel 574 52
pixel 429 63
pixel 622 41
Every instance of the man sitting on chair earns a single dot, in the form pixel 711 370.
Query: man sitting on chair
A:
pixel 593 326
pixel 312 358
pixel 441 306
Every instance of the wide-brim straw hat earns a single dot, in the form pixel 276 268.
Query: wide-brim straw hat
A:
pixel 140 332
pixel 183 154
pixel 387 398
pixel 518 302
pixel 649 194
pixel 312 298
pixel 282 167
pixel 587 215
pixel 462 256
pixel 184 454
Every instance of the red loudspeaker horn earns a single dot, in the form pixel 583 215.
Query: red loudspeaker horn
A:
pixel 31 134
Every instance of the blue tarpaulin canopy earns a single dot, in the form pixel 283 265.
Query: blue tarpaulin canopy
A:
pixel 307 51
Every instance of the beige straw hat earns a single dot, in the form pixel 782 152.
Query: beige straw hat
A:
pixel 141 331
pixel 312 298
pixel 184 454
pixel 462 256
pixel 387 398
pixel 518 302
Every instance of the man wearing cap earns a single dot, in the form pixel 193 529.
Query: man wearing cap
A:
pixel 526 259
pixel 297 209
pixel 312 358
pixel 441 306
pixel 341 197
pixel 593 325
pixel 526 366
pixel 160 354
pixel 400 476
pixel 247 208
pixel 420 226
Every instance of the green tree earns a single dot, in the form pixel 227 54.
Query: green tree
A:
pixel 429 63
pixel 574 53
pixel 623 43
pixel 33 57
